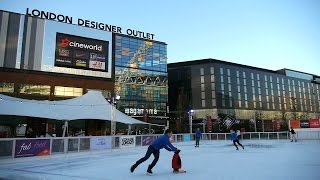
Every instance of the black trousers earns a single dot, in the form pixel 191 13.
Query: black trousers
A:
pixel 150 151
pixel 237 141
pixel 197 141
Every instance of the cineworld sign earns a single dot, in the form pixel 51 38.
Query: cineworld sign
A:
pixel 88 23
pixel 67 43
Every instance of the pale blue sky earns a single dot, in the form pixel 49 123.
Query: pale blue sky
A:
pixel 271 34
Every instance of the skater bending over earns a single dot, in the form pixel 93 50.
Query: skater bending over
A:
pixel 234 138
pixel 293 135
pixel 154 148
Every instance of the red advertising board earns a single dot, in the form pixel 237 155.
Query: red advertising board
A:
pixel 314 123
pixel 209 123
pixel 294 124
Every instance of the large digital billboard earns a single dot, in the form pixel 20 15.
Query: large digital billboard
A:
pixel 81 53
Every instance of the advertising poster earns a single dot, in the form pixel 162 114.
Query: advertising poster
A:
pixel 100 143
pixel 147 140
pixel 186 137
pixel 314 123
pixel 81 53
pixel 304 124
pixel 295 124
pixel 32 147
pixel 127 141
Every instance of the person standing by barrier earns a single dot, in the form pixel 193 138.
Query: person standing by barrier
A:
pixel 293 135
pixel 198 136
pixel 154 148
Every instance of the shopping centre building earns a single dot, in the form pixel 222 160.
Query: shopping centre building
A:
pixel 47 56
pixel 224 93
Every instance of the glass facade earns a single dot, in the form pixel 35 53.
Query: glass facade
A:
pixel 141 76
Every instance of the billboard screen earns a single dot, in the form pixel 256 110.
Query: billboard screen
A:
pixel 81 53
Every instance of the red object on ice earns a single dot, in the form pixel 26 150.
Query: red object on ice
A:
pixel 176 161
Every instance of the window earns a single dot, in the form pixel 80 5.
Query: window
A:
pixel 34 89
pixel 212 78
pixel 202 87
pixel 213 86
pixel 237 73
pixel 7 87
pixel 203 103
pixel 221 71
pixel 212 70
pixel 214 103
pixel 213 94
pixel 202 79
pixel 228 72
pixel 222 79
pixel 68 91
pixel 201 71
pixel 203 95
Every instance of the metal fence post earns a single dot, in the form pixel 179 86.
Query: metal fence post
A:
pixel 13 147
pixel 79 144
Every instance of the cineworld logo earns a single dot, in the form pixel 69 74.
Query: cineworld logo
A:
pixel 65 43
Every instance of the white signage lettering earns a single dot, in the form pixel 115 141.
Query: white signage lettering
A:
pixel 134 111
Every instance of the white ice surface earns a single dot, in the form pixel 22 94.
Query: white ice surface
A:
pixel 214 160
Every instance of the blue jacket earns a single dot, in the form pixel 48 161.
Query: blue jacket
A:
pixel 163 142
pixel 198 134
pixel 234 136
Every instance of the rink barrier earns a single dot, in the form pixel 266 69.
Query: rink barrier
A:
pixel 68 145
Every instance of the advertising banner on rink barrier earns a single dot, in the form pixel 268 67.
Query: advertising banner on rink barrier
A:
pixel 147 140
pixel 100 143
pixel 32 147
pixel 294 124
pixel 186 137
pixel 314 123
pixel 127 141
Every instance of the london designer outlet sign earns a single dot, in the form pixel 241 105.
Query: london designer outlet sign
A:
pixel 88 23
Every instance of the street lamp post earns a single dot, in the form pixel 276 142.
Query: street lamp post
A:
pixel 113 114
pixel 190 120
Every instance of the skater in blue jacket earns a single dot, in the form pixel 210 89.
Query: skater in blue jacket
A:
pixel 198 137
pixel 162 142
pixel 234 138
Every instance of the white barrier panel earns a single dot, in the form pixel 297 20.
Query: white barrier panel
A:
pixel 100 143
pixel 127 141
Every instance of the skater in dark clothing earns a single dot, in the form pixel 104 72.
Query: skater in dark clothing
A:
pixel 293 135
pixel 154 148
pixel 176 163
pixel 234 138
pixel 198 137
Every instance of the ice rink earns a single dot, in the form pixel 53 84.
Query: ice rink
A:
pixel 214 160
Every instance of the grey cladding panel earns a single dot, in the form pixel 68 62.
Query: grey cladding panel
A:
pixel 12 40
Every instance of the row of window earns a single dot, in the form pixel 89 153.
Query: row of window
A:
pixel 269 91
pixel 59 91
